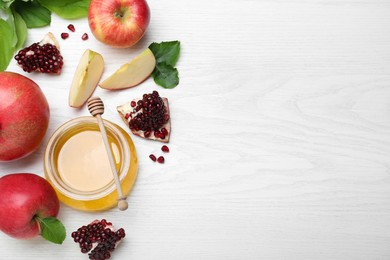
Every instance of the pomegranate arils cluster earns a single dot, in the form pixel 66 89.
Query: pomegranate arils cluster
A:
pixel 148 117
pixel 98 238
pixel 45 58
pixel 152 114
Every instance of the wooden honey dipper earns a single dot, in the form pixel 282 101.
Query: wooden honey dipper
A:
pixel 96 108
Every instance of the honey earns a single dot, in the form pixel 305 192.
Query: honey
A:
pixel 77 165
pixel 83 163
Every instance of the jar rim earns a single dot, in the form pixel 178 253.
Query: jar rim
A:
pixel 52 171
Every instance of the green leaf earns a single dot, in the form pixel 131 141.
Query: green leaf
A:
pixel 20 30
pixel 167 52
pixel 33 14
pixel 5 4
pixel 10 20
pixel 6 48
pixel 52 230
pixel 68 9
pixel 165 75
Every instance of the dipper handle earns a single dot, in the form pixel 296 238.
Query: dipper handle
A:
pixel 96 108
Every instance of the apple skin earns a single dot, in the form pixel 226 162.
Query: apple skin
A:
pixel 24 116
pixel 23 197
pixel 118 23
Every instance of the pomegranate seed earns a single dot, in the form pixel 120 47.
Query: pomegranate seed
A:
pixel 127 116
pixel 165 149
pixel 71 28
pixel 147 133
pixel 152 157
pixel 64 35
pixel 84 37
pixel 161 159
pixel 156 134
pixel 133 103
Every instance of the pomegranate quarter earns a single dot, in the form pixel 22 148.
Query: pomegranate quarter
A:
pixel 24 116
pixel 43 56
pixel 148 117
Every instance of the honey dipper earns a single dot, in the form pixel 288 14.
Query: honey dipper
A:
pixel 96 108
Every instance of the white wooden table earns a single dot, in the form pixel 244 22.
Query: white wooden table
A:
pixel 280 146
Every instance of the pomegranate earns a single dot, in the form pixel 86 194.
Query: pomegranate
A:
pixel 24 116
pixel 148 117
pixel 99 238
pixel 43 56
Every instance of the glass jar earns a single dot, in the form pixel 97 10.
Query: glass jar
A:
pixel 97 198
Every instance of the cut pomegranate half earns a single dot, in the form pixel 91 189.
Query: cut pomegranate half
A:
pixel 148 117
pixel 43 56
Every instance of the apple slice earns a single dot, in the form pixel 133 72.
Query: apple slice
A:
pixel 86 78
pixel 133 73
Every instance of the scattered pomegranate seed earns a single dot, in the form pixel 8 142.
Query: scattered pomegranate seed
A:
pixel 71 28
pixel 84 37
pixel 133 103
pixel 165 149
pixel 64 35
pixel 152 157
pixel 161 159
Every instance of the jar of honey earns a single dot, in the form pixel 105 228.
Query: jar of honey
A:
pixel 77 165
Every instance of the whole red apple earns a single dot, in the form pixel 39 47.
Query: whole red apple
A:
pixel 24 116
pixel 118 23
pixel 25 199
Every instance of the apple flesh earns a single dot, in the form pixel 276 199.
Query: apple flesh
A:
pixel 86 78
pixel 24 116
pixel 132 73
pixel 118 23
pixel 24 198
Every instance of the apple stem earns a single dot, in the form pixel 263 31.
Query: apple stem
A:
pixel 38 220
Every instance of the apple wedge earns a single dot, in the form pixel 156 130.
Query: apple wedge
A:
pixel 86 78
pixel 133 73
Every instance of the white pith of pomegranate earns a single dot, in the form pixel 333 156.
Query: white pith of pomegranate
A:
pixel 99 239
pixel 43 56
pixel 133 110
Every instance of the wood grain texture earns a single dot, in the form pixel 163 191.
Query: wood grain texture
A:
pixel 280 145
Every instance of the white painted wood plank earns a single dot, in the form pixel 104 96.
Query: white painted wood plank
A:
pixel 281 134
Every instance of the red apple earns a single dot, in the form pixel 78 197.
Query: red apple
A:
pixel 25 199
pixel 118 23
pixel 24 116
